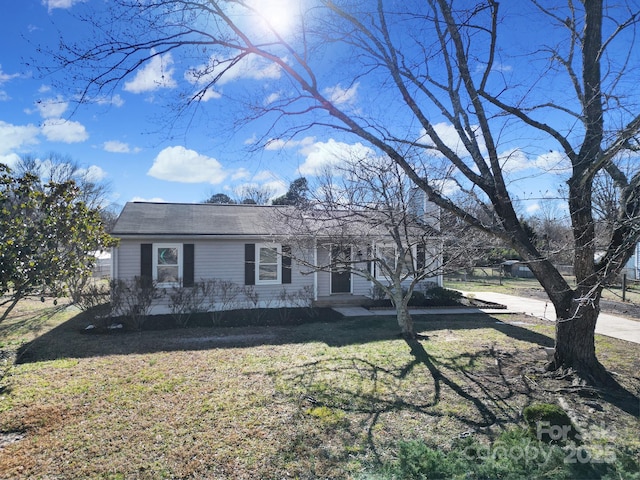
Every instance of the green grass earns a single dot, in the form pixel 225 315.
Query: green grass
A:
pixel 321 400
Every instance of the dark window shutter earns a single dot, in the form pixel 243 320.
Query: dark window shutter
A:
pixel 146 261
pixel 286 264
pixel 370 263
pixel 188 264
pixel 420 256
pixel 250 264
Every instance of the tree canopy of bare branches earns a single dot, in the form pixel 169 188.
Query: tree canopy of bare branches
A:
pixel 431 70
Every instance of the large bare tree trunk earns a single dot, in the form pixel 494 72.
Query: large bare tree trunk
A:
pixel 575 351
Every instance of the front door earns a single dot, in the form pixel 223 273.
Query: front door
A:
pixel 340 274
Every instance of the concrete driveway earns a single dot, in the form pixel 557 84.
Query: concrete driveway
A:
pixel 609 325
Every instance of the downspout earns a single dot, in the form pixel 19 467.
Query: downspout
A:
pixel 114 263
pixel 441 264
pixel 315 270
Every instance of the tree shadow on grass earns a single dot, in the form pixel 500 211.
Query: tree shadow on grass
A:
pixel 70 340
pixel 429 388
pixel 29 322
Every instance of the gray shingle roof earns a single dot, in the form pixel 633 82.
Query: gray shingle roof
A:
pixel 141 218
pixel 184 219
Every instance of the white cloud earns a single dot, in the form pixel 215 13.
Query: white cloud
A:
pixel 93 174
pixel 342 96
pixel 66 131
pixel 52 4
pixel 116 100
pixel 495 67
pixel 157 73
pixel 278 187
pixel 115 146
pixel 533 208
pixel 264 175
pixel 272 98
pixel 279 144
pixel 241 174
pixel 451 139
pixel 251 140
pixel 210 94
pixel 323 154
pixel 250 67
pixel 52 107
pixel 152 200
pixel 178 164
pixel 553 162
pixel 44 89
pixel 515 160
pixel 5 77
pixel 448 186
pixel 13 137
pixel 10 160
pixel 253 68
pixel 266 180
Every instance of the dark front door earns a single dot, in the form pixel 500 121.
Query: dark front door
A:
pixel 340 274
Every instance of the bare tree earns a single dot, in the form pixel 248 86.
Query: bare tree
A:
pixel 254 194
pixel 371 222
pixel 422 64
pixel 59 168
pixel 554 234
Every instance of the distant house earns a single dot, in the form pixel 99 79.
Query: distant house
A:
pixel 178 244
pixel 516 269
pixel 102 267
pixel 632 268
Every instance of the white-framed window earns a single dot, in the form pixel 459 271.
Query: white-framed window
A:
pixel 268 263
pixel 167 263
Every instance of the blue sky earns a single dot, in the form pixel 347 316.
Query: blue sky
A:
pixel 126 138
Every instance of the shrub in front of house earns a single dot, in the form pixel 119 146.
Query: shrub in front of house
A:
pixel 131 301
pixel 432 296
pixel 206 304
pixel 248 317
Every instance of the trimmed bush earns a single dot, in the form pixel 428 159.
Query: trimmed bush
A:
pixel 241 318
pixel 549 423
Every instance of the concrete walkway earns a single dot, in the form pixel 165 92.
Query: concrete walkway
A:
pixel 609 325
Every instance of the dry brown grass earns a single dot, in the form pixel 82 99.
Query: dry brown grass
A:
pixel 323 400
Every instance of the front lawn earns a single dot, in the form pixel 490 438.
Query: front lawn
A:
pixel 319 400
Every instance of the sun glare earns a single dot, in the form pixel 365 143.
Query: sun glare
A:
pixel 278 15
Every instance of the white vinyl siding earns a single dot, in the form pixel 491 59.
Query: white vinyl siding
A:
pixel 214 259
